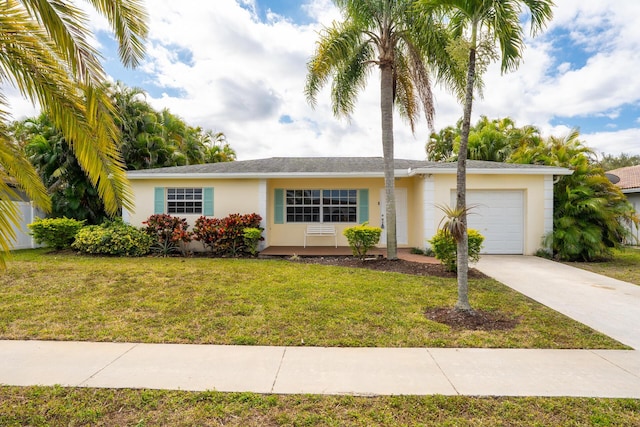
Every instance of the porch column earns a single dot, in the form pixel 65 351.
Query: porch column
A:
pixel 428 209
pixel 548 204
pixel 262 211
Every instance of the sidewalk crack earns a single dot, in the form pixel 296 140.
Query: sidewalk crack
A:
pixel 273 386
pixel 107 365
pixel 443 373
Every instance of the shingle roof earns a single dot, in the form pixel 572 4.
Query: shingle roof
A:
pixel 325 165
pixel 629 177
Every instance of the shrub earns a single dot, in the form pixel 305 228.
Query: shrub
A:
pixel 56 233
pixel 225 237
pixel 113 238
pixel 362 238
pixel 170 233
pixel 251 238
pixel 445 247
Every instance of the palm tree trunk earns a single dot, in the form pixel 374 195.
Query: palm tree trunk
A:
pixel 461 189
pixel 386 108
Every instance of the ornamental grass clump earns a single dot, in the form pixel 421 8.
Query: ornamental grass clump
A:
pixel 362 238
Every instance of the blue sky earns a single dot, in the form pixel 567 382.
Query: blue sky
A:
pixel 239 66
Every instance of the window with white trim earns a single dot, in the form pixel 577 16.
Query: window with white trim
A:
pixel 321 205
pixel 184 201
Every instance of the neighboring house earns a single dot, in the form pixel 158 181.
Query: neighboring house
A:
pixel 628 179
pixel 514 203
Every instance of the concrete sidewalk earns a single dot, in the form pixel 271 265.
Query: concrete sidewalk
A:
pixel 359 371
pixel 607 305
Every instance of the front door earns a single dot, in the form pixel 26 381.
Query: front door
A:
pixel 402 226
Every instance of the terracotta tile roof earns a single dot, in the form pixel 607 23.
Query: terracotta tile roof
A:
pixel 629 177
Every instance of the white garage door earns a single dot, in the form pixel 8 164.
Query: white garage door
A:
pixel 499 216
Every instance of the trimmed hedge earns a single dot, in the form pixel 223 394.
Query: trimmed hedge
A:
pixel 362 238
pixel 57 233
pixel 113 238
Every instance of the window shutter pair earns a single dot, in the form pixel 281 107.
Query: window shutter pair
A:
pixel 159 206
pixel 279 206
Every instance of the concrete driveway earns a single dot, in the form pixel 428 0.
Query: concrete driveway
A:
pixel 607 305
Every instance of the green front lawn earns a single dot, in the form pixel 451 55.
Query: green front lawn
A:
pixel 44 406
pixel 258 302
pixel 625 265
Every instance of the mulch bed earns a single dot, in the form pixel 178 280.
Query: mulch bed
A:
pixel 396 266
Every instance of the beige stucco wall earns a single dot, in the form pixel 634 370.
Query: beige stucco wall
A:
pixel 423 194
pixel 532 187
pixel 229 196
pixel 292 234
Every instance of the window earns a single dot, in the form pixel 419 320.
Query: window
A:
pixel 322 205
pixel 184 200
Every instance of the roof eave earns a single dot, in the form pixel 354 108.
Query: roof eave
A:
pixel 495 171
pixel 270 175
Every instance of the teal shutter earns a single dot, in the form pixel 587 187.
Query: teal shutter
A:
pixel 158 200
pixel 278 206
pixel 363 205
pixel 207 201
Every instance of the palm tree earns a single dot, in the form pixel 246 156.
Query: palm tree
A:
pixel 390 35
pixel 485 23
pixel 45 53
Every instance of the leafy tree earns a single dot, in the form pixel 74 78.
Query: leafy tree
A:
pixel 392 36
pixel 217 149
pixel 47 55
pixel 486 23
pixel 491 140
pixel 623 160
pixel 152 139
pixel 590 212
pixel 72 194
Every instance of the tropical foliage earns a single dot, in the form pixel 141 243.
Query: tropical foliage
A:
pixel 484 25
pixel 227 236
pixel 153 139
pixel 150 139
pixel 590 213
pixel 47 56
pixel 170 233
pixel 392 36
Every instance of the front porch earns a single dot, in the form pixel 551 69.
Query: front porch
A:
pixel 330 251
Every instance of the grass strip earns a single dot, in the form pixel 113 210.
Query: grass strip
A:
pixel 43 406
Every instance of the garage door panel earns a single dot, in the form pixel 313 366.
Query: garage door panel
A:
pixel 499 216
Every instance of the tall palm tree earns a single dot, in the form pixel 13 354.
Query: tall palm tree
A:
pixel 485 24
pixel 45 53
pixel 390 35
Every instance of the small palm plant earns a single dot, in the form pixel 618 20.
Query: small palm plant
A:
pixel 450 231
